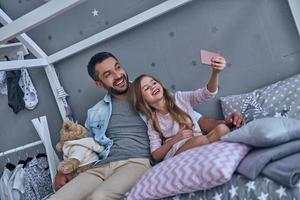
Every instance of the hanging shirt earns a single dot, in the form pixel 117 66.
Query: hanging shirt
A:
pixel 4 182
pixel 37 179
pixel 16 183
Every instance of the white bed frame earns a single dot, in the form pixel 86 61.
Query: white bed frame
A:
pixel 51 9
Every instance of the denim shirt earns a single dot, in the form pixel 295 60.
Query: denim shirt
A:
pixel 97 122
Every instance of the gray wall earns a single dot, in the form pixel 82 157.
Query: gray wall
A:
pixel 258 38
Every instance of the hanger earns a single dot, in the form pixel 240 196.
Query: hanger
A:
pixel 28 159
pixel 40 155
pixel 21 161
pixel 9 165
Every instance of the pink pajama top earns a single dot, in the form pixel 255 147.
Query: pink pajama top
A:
pixel 186 101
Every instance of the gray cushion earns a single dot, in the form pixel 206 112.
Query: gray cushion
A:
pixel 282 95
pixel 266 132
pixel 285 171
pixel 257 159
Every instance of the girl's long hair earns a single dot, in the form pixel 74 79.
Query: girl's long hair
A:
pixel 140 105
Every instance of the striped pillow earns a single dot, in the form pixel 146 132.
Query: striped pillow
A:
pixel 197 169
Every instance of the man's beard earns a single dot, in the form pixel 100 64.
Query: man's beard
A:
pixel 113 91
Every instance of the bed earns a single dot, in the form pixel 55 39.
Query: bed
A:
pixel 261 163
pixel 240 187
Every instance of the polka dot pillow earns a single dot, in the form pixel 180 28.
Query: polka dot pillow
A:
pixel 282 95
pixel 196 169
pixel 252 110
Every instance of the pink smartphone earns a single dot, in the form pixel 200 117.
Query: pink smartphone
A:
pixel 206 56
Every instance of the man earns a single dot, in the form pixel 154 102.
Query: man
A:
pixel 114 124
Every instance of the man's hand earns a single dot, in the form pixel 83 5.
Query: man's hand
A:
pixel 61 179
pixel 234 119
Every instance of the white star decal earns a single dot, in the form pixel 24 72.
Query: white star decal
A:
pixel 281 192
pixel 263 196
pixel 95 12
pixel 277 114
pixel 217 196
pixel 232 191
pixel 250 186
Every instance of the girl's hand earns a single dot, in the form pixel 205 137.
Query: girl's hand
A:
pixel 183 133
pixel 218 63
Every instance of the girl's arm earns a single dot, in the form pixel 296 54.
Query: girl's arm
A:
pixel 208 92
pixel 162 151
pixel 218 64
pixel 158 149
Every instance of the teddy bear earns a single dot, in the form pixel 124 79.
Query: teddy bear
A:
pixel 78 149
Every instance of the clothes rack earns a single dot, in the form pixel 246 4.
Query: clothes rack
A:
pixel 41 127
pixel 21 148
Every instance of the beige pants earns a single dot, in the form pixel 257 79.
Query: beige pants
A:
pixel 108 181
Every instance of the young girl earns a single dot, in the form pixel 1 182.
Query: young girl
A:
pixel 172 126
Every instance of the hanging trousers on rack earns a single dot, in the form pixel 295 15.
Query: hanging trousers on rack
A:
pixel 14 92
